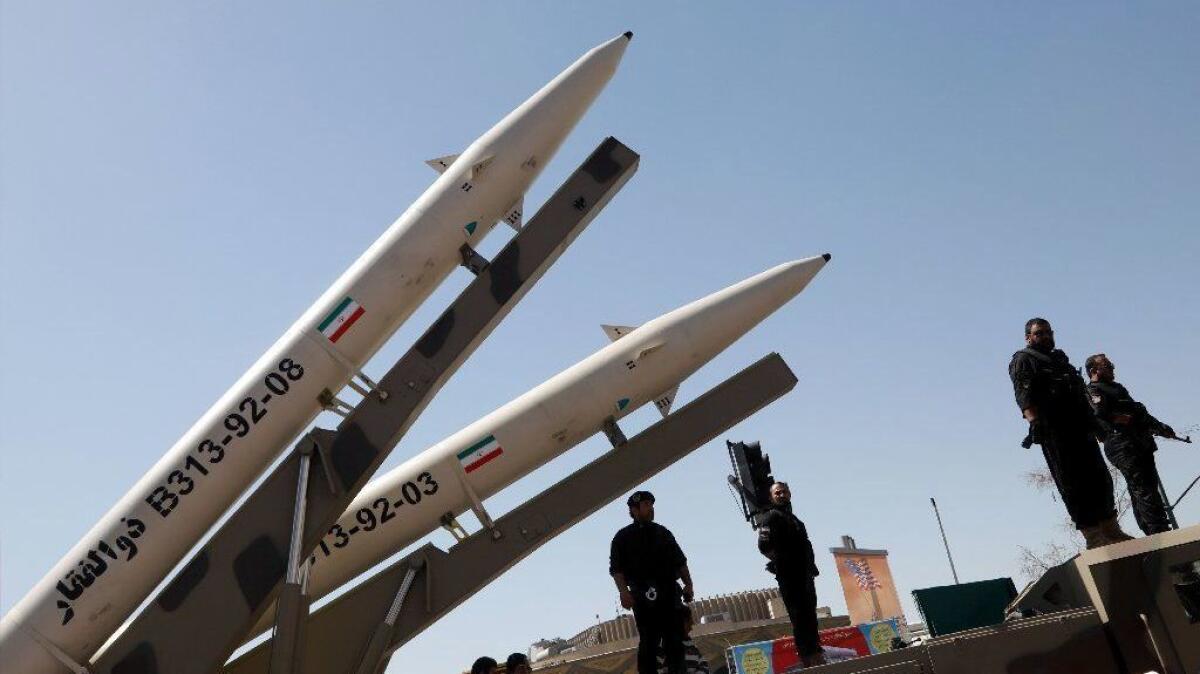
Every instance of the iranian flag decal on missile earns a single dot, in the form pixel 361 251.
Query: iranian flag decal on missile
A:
pixel 340 319
pixel 480 453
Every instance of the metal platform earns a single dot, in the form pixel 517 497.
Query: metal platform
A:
pixel 1126 608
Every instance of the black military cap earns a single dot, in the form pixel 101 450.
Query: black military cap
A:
pixel 639 496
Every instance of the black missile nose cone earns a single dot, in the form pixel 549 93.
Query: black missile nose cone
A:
pixel 827 256
pixel 629 35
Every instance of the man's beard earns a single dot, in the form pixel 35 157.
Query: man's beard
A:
pixel 1045 346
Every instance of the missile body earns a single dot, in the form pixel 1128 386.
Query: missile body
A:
pixel 407 503
pixel 91 591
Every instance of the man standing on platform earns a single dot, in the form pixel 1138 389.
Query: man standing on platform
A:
pixel 1050 393
pixel 646 564
pixel 784 540
pixel 1128 429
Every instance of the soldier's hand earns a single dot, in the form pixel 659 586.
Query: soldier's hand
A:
pixel 1035 432
pixel 626 599
pixel 1169 432
pixel 688 593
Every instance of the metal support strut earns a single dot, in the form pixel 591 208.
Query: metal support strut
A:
pixel 368 385
pixel 375 656
pixel 476 506
pixel 332 403
pixel 450 523
pixel 293 602
pixel 614 433
pixel 473 261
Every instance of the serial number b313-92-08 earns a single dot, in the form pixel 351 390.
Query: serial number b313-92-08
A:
pixel 239 423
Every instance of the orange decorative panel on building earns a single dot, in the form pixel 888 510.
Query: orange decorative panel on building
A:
pixel 866 583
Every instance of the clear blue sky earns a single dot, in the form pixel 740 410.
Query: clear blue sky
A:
pixel 181 181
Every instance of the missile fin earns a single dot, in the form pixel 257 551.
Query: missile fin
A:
pixel 440 164
pixel 664 401
pixel 513 214
pixel 616 332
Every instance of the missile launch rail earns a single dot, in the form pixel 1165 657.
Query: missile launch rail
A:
pixel 258 554
pixel 357 632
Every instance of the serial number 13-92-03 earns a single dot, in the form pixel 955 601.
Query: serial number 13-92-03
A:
pixel 380 512
pixel 182 481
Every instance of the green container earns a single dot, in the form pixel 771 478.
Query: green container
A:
pixel 954 608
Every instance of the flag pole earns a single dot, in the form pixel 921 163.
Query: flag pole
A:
pixel 944 541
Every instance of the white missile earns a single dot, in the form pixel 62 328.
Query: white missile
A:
pixel 68 615
pixel 644 364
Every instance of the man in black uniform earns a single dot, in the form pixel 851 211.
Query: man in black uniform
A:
pixel 1051 395
pixel 784 540
pixel 646 564
pixel 1128 429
